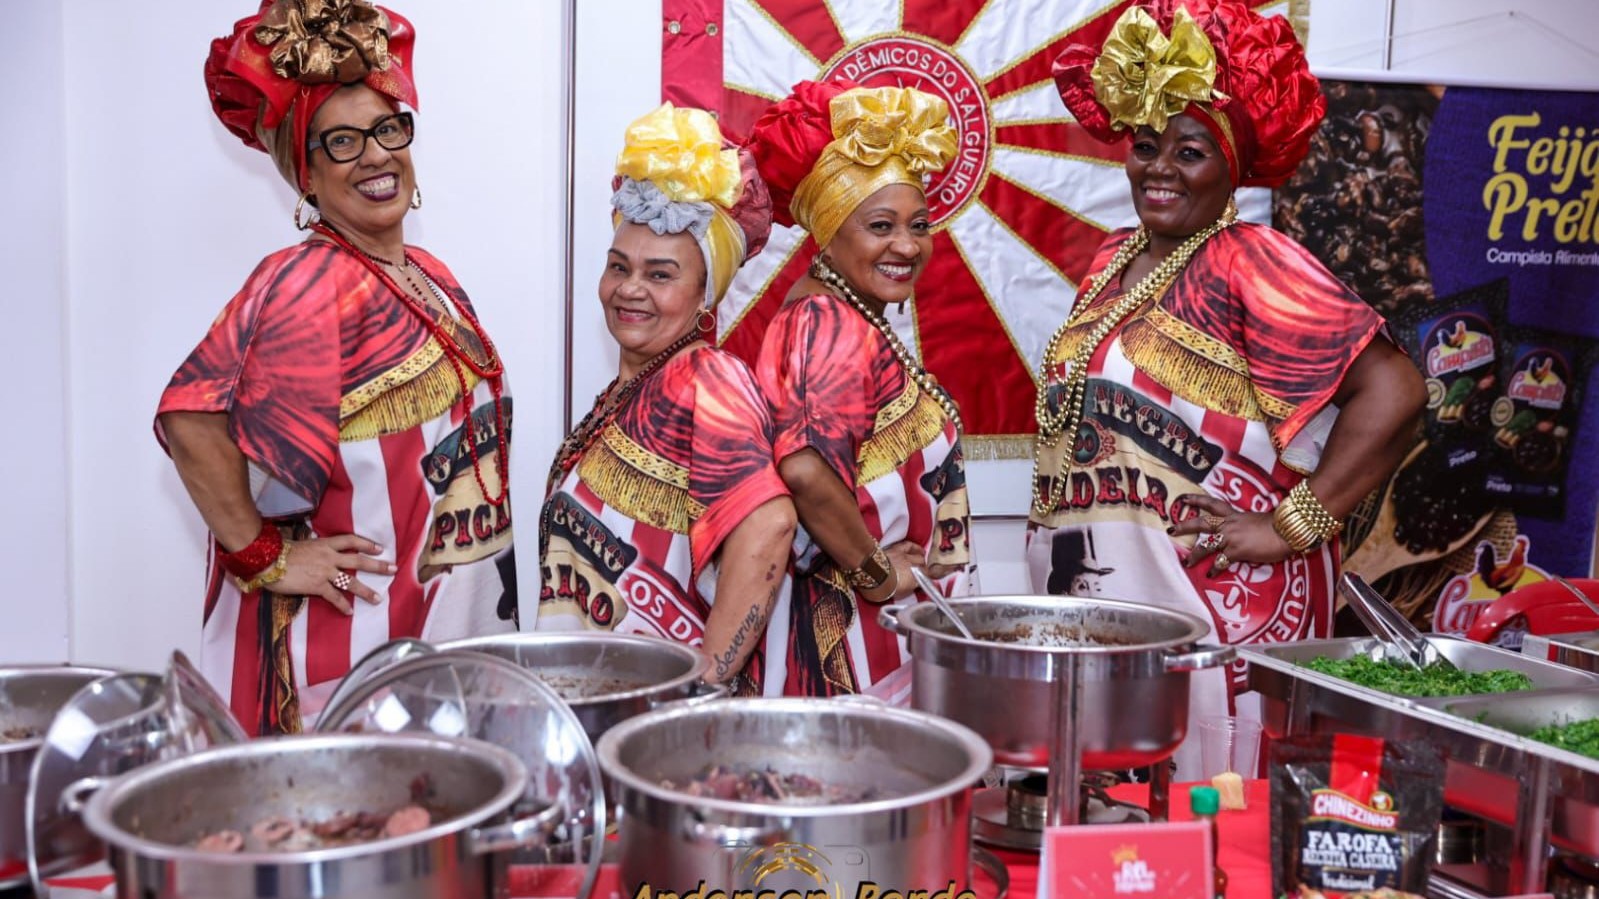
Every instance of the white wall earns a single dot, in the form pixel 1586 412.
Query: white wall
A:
pixel 132 216
pixel 34 556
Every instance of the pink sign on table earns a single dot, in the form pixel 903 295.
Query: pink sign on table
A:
pixel 1115 861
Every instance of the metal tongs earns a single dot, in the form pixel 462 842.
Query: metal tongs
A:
pixel 1400 639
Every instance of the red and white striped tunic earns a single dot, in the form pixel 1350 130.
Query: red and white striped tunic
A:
pixel 350 416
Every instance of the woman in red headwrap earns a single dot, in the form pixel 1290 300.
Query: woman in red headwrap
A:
pixel 867 440
pixel 343 428
pixel 664 514
pixel 1217 401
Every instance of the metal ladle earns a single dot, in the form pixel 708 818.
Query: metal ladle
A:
pixel 931 589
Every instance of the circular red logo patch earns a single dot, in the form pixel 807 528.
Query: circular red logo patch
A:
pixel 910 61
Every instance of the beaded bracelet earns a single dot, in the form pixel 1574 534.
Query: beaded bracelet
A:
pixel 256 556
pixel 1302 521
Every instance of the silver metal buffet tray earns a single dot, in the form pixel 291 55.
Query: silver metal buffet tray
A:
pixel 1577 650
pixel 1542 793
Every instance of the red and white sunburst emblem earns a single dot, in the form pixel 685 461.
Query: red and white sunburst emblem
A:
pixel 1018 215
pixel 920 63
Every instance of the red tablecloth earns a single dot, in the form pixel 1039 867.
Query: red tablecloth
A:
pixel 1245 853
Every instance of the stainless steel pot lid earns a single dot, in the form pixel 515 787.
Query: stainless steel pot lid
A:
pixel 1049 624
pixel 586 669
pixel 110 727
pixel 468 694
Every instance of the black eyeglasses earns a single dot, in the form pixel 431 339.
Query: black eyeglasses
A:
pixel 346 143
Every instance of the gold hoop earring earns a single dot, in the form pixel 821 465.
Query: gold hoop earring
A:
pixel 416 198
pixel 299 208
pixel 707 321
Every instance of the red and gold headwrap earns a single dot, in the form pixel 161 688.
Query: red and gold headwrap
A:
pixel 829 145
pixel 268 78
pixel 676 175
pixel 1242 75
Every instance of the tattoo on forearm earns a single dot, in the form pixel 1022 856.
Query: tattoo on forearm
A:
pixel 754 622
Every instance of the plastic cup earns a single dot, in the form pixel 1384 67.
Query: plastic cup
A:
pixel 1229 744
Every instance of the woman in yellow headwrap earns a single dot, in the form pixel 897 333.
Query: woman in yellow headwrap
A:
pixel 665 514
pixel 866 439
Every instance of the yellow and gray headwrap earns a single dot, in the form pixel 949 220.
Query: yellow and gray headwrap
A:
pixel 676 175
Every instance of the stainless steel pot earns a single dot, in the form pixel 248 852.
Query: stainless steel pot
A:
pixel 917 838
pixel 604 678
pixel 151 817
pixel 29 698
pixel 1131 664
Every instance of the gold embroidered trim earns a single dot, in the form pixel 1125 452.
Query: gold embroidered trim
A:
pixel 420 389
pixel 1188 374
pixel 645 461
pixel 898 407
pixel 418 362
pixel 1217 351
pixel 908 433
pixel 624 484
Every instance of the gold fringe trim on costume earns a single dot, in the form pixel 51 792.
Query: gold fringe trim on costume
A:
pixel 909 433
pixel 898 407
pixel 417 390
pixel 629 486
pixel 1188 374
pixel 985 447
pixel 1197 341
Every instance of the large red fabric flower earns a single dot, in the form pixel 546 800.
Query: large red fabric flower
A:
pixel 789 137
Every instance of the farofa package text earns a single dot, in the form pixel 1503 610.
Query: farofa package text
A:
pixel 1353 815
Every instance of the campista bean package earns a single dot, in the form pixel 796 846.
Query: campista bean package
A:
pixel 1353 815
pixel 1456 343
pixel 1534 419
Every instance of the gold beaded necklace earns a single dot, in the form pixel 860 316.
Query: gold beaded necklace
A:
pixel 824 273
pixel 1054 425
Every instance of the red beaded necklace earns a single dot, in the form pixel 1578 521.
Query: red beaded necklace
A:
pixel 491 370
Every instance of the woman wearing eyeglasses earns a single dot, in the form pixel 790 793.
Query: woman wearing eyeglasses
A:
pixel 343 428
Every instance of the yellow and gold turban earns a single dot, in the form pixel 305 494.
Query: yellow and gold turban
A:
pixel 676 175
pixel 830 145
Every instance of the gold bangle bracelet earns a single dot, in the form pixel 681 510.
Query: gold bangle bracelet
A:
pixel 1293 528
pixel 1305 501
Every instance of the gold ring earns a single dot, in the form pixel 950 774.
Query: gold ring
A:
pixel 1222 562
pixel 1212 522
pixel 342 581
pixel 1209 542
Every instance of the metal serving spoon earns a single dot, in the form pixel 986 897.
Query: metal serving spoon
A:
pixel 931 589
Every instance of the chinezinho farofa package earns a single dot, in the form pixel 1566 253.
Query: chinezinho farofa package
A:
pixel 1353 815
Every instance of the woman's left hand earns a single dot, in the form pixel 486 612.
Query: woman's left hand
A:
pixel 1228 537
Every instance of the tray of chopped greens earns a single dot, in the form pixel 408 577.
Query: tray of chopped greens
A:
pixel 1547 795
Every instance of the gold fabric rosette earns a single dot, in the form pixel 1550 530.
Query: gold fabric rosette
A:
pixel 1143 77
pixel 881 136
pixel 323 41
pixel 680 151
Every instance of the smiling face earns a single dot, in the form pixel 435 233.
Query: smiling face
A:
pixel 1179 178
pixel 370 195
pixel 885 243
pixel 652 290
